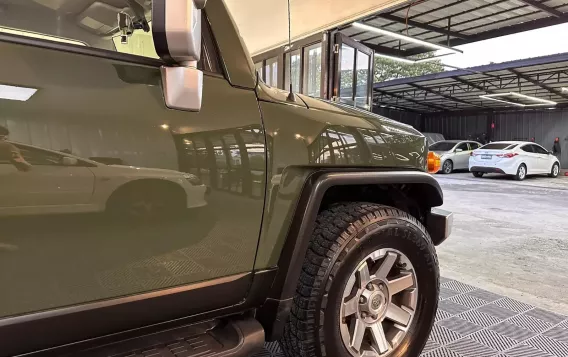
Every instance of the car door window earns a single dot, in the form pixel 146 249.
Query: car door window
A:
pixel 40 157
pixel 95 33
pixel 528 148
pixel 539 150
pixel 473 146
pixel 463 147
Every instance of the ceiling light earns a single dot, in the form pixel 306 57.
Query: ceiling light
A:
pixel 411 61
pixel 536 99
pixel 405 38
pixel 165 126
pixel 16 93
pixel 539 101
pixel 393 58
pixel 500 100
pixel 564 90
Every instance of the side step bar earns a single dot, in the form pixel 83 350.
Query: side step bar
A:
pixel 232 338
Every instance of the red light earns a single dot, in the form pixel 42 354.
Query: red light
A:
pixel 508 155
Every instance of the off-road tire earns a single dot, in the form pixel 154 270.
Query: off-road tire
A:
pixel 477 174
pixel 554 171
pixel 448 167
pixel 344 234
pixel 518 175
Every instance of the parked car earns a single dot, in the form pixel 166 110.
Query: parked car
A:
pixel 340 259
pixel 433 137
pixel 514 158
pixel 63 183
pixel 454 154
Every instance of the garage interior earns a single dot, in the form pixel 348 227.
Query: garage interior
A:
pixel 504 286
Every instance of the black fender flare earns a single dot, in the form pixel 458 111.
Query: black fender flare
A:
pixel 274 313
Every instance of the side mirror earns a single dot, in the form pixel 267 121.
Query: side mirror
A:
pixel 176 29
pixel 69 161
pixel 459 150
pixel 550 153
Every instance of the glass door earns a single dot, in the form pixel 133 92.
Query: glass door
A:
pixel 353 77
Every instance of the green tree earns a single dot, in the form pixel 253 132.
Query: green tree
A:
pixel 386 69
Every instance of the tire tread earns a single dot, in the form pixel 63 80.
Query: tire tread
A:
pixel 334 234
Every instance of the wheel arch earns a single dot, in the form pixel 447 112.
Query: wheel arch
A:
pixel 144 183
pixel 318 191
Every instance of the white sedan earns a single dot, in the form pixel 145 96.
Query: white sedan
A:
pixel 515 158
pixel 56 182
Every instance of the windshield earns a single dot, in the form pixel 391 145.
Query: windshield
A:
pixel 442 146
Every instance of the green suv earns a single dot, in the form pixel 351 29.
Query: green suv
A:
pixel 158 199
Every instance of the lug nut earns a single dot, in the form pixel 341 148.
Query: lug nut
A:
pixel 362 299
pixel 381 286
pixel 364 315
pixel 369 286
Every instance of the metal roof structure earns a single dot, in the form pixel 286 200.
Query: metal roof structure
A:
pixel 455 22
pixel 540 77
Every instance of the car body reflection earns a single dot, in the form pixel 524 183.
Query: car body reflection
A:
pixel 56 182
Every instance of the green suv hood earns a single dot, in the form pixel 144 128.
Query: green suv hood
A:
pixel 369 139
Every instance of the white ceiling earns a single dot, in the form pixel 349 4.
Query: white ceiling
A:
pixel 263 24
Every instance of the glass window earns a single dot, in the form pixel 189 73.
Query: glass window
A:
pixel 80 26
pixel 528 148
pixel 293 65
pixel 39 157
pixel 271 72
pixel 260 69
pixel 346 74
pixel 463 146
pixel 442 146
pixel 498 146
pixel 92 26
pixel 473 146
pixel 539 150
pixel 362 91
pixel 312 70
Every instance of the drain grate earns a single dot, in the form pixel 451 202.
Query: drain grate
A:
pixel 471 322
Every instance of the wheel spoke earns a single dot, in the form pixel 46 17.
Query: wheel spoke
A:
pixel 358 334
pixel 386 266
pixel 350 307
pixel 398 315
pixel 364 276
pixel 349 286
pixel 400 283
pixel 379 337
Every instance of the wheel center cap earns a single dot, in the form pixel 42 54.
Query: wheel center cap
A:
pixel 376 302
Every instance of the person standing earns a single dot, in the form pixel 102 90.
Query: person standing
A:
pixel 557 149
pixel 9 152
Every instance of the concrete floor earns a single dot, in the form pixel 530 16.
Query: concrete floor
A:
pixel 509 237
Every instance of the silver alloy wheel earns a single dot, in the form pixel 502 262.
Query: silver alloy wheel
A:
pixel 555 170
pixel 379 303
pixel 522 172
pixel 447 167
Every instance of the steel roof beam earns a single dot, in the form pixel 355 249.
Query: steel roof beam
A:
pixel 539 6
pixel 473 85
pixel 428 105
pixel 423 26
pixel 539 84
pixel 448 97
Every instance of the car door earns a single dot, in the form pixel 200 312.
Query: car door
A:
pixel 98 102
pixel 49 185
pixel 545 159
pixel 461 156
pixel 531 159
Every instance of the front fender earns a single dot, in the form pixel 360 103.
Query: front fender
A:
pixel 275 311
